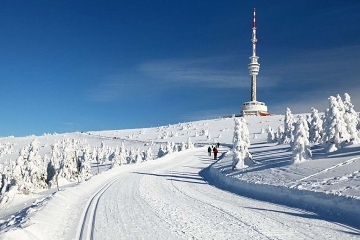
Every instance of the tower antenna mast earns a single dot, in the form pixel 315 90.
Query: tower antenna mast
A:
pixel 254 40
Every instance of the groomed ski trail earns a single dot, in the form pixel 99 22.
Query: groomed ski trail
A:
pixel 169 200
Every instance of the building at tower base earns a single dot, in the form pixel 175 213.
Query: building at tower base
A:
pixel 254 108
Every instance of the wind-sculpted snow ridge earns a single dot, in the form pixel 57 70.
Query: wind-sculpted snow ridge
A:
pixel 335 207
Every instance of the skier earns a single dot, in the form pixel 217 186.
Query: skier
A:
pixel 209 150
pixel 215 153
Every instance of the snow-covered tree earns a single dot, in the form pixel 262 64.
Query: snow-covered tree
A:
pixel 189 144
pixel 182 146
pixel 169 148
pixel 271 136
pixel 138 157
pixel 204 132
pixel 345 134
pixel 131 158
pixel 38 167
pixel 21 172
pixel 70 168
pixel 122 154
pixel 8 187
pixel 241 142
pixel 50 172
pixel 2 183
pixel 29 172
pixel 301 146
pixel 280 135
pixel 120 157
pixel 95 158
pixel 116 160
pixel 174 134
pixel 175 147
pixel 55 166
pixel 263 130
pixel 164 135
pixel 335 131
pixel 103 153
pixel 161 151
pixel 288 127
pixel 316 127
pixel 351 119
pixel 148 155
pixel 84 165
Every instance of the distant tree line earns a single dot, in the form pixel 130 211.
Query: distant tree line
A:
pixel 336 128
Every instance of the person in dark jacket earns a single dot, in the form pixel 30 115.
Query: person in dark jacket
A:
pixel 215 153
pixel 209 150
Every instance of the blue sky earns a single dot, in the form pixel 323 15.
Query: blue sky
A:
pixel 97 65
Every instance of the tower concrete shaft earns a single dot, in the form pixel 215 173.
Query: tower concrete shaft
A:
pixel 254 66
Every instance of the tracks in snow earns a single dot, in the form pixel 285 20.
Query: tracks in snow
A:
pixel 235 217
pixel 170 200
pixel 352 160
pixel 87 221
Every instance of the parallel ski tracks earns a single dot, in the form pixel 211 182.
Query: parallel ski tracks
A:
pixel 255 221
pixel 87 220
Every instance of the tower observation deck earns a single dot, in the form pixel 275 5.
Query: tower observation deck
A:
pixel 254 107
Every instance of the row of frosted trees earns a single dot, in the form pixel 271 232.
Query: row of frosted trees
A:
pixel 31 172
pixel 335 129
pixel 69 160
pixel 171 147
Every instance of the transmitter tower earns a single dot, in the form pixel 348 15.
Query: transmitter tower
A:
pixel 254 107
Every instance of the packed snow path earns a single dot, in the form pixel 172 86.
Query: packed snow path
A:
pixel 169 200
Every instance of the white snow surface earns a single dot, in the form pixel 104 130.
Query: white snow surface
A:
pixel 189 195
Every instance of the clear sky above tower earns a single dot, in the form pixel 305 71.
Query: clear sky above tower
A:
pixel 94 65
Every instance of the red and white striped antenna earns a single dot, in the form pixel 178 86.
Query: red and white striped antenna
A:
pixel 254 40
pixel 254 24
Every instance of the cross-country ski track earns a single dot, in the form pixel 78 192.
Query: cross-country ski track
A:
pixel 168 199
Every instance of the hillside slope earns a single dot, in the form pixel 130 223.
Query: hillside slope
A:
pixel 335 175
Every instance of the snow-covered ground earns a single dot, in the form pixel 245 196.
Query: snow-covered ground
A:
pixel 187 194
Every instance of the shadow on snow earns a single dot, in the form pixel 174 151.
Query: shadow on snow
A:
pixel 177 176
pixel 272 162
